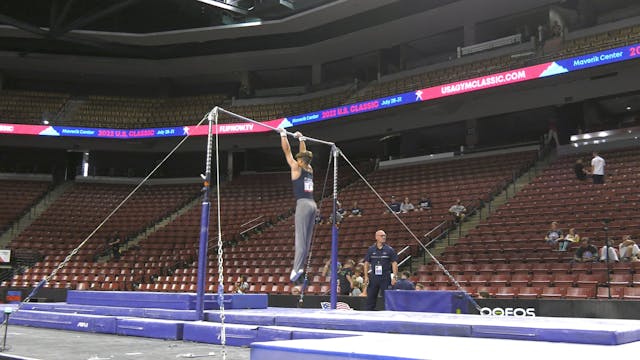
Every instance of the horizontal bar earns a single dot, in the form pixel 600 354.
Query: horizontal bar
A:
pixel 219 109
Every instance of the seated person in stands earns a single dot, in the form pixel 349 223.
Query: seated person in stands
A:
pixel 586 252
pixel 613 252
pixel 341 211
pixel 241 286
pixel 404 283
pixel 357 289
pixel 406 206
pixel 578 168
pixel 115 245
pixel 394 205
pixel 419 286
pixel 355 210
pixel 458 211
pixel 339 214
pixel 357 278
pixel 424 204
pixel 569 239
pixel 553 235
pixel 629 250
pixel 345 277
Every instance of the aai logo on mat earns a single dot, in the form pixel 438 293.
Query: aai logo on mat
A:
pixel 485 311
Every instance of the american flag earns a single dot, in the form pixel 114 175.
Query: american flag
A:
pixel 339 306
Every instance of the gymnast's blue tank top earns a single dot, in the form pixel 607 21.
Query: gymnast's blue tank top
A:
pixel 303 186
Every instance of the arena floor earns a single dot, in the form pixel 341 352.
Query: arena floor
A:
pixel 37 343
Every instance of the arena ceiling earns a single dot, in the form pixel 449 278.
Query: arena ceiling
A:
pixel 160 29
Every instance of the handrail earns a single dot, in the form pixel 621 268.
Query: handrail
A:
pixel 404 249
pixel 251 228
pixel 436 238
pixel 404 260
pixel 250 221
pixel 435 228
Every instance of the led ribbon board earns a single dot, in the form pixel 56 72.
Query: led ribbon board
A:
pixel 460 87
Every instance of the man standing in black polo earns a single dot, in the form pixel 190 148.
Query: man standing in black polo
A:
pixel 379 263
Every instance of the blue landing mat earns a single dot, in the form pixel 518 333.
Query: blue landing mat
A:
pixel 153 328
pixel 74 322
pixel 165 314
pixel 396 346
pixel 245 335
pixel 570 330
pixel 446 302
pixel 176 301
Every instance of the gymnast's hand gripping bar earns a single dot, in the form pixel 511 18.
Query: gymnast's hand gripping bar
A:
pixel 219 109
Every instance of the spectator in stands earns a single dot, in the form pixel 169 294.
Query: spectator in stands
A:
pixel 419 286
pixel 629 250
pixel 578 168
pixel 541 33
pixel 394 205
pixel 357 289
pixel 115 245
pixel 569 239
pixel 613 252
pixel 380 262
pixel 597 168
pixel 404 283
pixel 338 217
pixel 355 210
pixel 357 278
pixel 306 209
pixel 406 206
pixel 553 235
pixel 242 286
pixel 345 277
pixel 556 30
pixel 458 211
pixel 586 252
pixel 341 211
pixel 424 204
pixel 552 133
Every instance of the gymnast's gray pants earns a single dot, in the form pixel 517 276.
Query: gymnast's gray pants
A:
pixel 305 219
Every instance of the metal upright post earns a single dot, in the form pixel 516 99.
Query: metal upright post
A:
pixel 204 225
pixel 7 313
pixel 334 232
pixel 606 248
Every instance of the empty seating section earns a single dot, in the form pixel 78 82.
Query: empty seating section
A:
pixel 439 77
pixel 17 198
pixel 29 107
pixel 251 201
pixel 130 112
pixel 246 202
pixel 611 39
pixel 266 257
pixel 79 210
pixel 264 112
pixel 510 243
pixel 166 259
pixel 607 40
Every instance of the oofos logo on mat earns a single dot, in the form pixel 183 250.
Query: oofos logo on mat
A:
pixel 485 311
